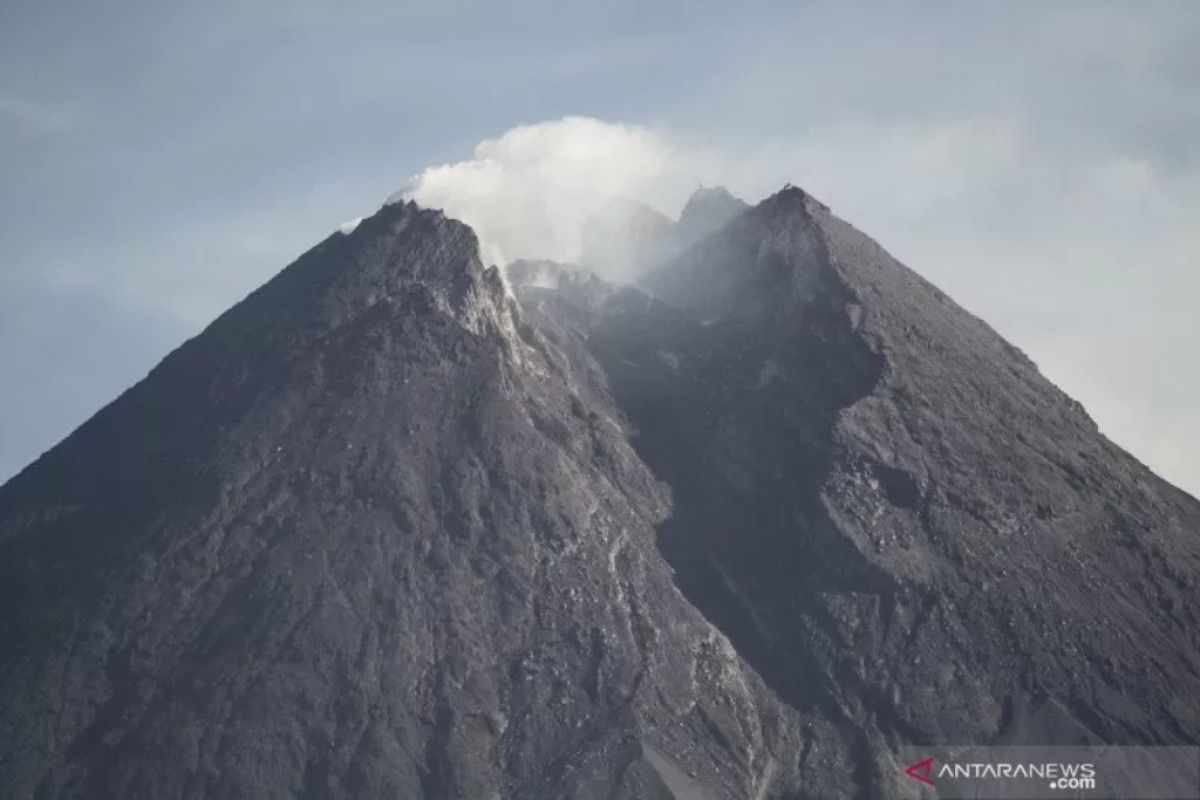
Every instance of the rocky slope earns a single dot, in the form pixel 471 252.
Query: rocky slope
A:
pixel 739 533
pixel 898 522
pixel 367 535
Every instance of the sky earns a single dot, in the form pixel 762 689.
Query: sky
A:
pixel 1039 161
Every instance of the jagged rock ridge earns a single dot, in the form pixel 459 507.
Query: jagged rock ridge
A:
pixel 377 531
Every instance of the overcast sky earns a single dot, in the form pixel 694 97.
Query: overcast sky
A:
pixel 1040 162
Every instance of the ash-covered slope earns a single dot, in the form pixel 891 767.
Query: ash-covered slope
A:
pixel 377 532
pixel 367 535
pixel 895 518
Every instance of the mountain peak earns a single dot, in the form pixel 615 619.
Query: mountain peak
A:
pixel 707 210
pixel 707 194
pixel 792 197
pixel 376 532
pixel 405 248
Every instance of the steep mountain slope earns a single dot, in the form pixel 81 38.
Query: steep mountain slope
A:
pixel 1050 575
pixel 739 533
pixel 894 517
pixel 362 537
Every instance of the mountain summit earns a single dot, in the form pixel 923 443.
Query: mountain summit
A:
pixel 744 529
pixel 707 210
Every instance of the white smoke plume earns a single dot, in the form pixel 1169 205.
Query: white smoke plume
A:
pixel 528 193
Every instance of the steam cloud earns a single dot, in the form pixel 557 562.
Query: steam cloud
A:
pixel 528 193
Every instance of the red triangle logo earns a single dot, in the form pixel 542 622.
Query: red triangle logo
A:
pixel 921 771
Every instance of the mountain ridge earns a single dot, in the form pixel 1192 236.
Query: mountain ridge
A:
pixel 946 473
pixel 385 528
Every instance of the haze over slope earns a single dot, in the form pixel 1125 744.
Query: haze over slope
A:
pixel 521 192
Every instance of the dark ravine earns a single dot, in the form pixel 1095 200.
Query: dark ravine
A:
pixel 739 532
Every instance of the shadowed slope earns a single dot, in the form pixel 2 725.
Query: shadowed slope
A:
pixel 895 518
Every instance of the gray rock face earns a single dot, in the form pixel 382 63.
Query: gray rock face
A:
pixel 367 535
pixel 897 521
pixel 741 533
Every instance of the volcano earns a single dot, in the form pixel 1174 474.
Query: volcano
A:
pixel 399 525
